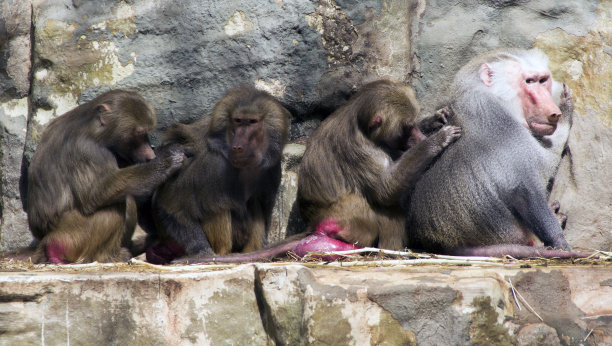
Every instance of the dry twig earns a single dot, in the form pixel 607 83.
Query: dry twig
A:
pixel 514 295
pixel 525 302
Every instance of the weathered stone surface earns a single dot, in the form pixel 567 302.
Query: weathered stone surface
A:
pixel 364 42
pixel 15 51
pixel 128 308
pixel 285 216
pixel 566 301
pixel 294 305
pixel 13 220
pixel 538 334
pixel 585 63
pixel 182 58
pixel 310 54
pixel 15 48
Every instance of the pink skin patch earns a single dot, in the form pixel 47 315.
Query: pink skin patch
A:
pixel 164 253
pixel 55 253
pixel 540 111
pixel 534 89
pixel 321 241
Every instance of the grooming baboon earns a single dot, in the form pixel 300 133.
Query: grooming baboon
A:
pixel 362 159
pixel 487 194
pixel 358 164
pixel 80 201
pixel 221 200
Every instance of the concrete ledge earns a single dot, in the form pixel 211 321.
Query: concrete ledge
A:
pixel 260 304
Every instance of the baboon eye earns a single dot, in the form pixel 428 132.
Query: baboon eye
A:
pixel 543 80
pixel 530 80
pixel 253 121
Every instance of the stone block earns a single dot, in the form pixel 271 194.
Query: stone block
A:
pixel 295 304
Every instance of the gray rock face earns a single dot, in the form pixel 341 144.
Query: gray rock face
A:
pixel 538 334
pixel 14 226
pixel 183 57
pixel 15 65
pixel 312 55
pixel 15 48
pixel 285 216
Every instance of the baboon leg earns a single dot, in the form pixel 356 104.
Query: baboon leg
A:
pixel 218 230
pixel 78 238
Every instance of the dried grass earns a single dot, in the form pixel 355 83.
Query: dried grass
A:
pixel 354 259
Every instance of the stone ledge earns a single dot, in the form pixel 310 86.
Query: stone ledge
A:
pixel 260 304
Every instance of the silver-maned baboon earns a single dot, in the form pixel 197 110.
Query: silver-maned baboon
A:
pixel 487 193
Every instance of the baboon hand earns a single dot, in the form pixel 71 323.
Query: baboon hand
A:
pixel 173 155
pixel 443 114
pixel 561 243
pixel 433 123
pixel 555 207
pixel 447 135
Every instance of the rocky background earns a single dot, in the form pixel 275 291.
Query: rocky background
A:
pixel 311 54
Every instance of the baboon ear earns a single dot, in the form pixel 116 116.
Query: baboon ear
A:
pixel 376 121
pixel 103 111
pixel 486 74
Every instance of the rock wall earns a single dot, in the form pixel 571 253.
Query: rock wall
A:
pixel 296 305
pixel 311 54
pixel 15 92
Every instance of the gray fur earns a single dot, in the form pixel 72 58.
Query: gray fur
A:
pixel 490 187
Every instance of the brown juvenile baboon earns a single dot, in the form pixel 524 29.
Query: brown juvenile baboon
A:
pixel 89 165
pixel 358 164
pixel 221 200
pixel 487 194
pixel 362 159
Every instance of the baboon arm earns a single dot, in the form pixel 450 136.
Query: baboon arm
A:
pixel 195 239
pixel 404 173
pixel 187 232
pixel 434 122
pixel 531 206
pixel 258 227
pixel 136 180
pixel 267 198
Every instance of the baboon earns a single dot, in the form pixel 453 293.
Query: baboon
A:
pixel 362 159
pixel 487 194
pixel 221 200
pixel 357 165
pixel 89 165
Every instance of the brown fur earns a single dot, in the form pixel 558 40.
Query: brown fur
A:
pixel 79 198
pixel 221 201
pixel 358 163
pixel 355 168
